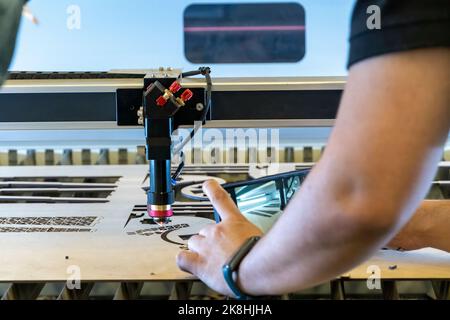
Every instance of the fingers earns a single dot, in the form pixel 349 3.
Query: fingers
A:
pixel 221 200
pixel 188 261
pixel 194 243
pixel 208 230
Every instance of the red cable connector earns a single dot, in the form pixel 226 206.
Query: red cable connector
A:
pixel 187 95
pixel 175 87
pixel 161 102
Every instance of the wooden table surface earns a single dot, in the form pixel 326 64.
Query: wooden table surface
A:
pixel 109 251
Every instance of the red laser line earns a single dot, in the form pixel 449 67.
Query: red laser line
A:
pixel 243 28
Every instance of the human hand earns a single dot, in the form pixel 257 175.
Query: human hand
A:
pixel 216 243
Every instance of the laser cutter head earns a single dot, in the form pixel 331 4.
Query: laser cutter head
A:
pixel 161 214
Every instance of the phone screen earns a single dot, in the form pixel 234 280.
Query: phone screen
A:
pixel 263 200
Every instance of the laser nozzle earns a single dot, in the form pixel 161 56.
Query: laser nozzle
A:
pixel 161 214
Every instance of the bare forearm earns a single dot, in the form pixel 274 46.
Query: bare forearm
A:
pixel 356 198
pixel 313 241
pixel 429 227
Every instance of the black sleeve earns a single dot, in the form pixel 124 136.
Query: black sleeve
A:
pixel 405 25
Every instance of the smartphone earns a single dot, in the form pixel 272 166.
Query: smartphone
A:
pixel 263 200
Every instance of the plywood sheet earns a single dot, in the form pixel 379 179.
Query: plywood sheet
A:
pixel 419 264
pixel 108 249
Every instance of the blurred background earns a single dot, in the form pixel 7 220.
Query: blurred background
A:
pixel 138 34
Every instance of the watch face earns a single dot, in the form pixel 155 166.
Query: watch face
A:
pixel 263 200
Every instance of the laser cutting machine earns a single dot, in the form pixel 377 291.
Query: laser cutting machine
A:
pixel 151 98
pixel 78 169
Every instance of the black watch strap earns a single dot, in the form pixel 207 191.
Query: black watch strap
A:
pixel 233 264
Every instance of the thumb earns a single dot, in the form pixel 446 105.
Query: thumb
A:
pixel 221 200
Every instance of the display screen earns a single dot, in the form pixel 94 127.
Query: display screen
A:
pixel 244 33
pixel 262 200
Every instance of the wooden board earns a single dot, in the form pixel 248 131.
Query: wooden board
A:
pixel 111 251
pixel 408 265
pixel 100 256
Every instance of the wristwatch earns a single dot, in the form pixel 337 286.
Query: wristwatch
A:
pixel 233 264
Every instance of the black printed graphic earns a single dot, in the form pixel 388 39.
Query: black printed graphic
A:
pixel 163 232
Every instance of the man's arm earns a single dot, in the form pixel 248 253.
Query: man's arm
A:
pixel 429 227
pixel 380 160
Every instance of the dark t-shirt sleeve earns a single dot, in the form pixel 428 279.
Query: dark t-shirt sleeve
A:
pixel 405 25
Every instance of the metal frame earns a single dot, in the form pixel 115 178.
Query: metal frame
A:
pixel 90 103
